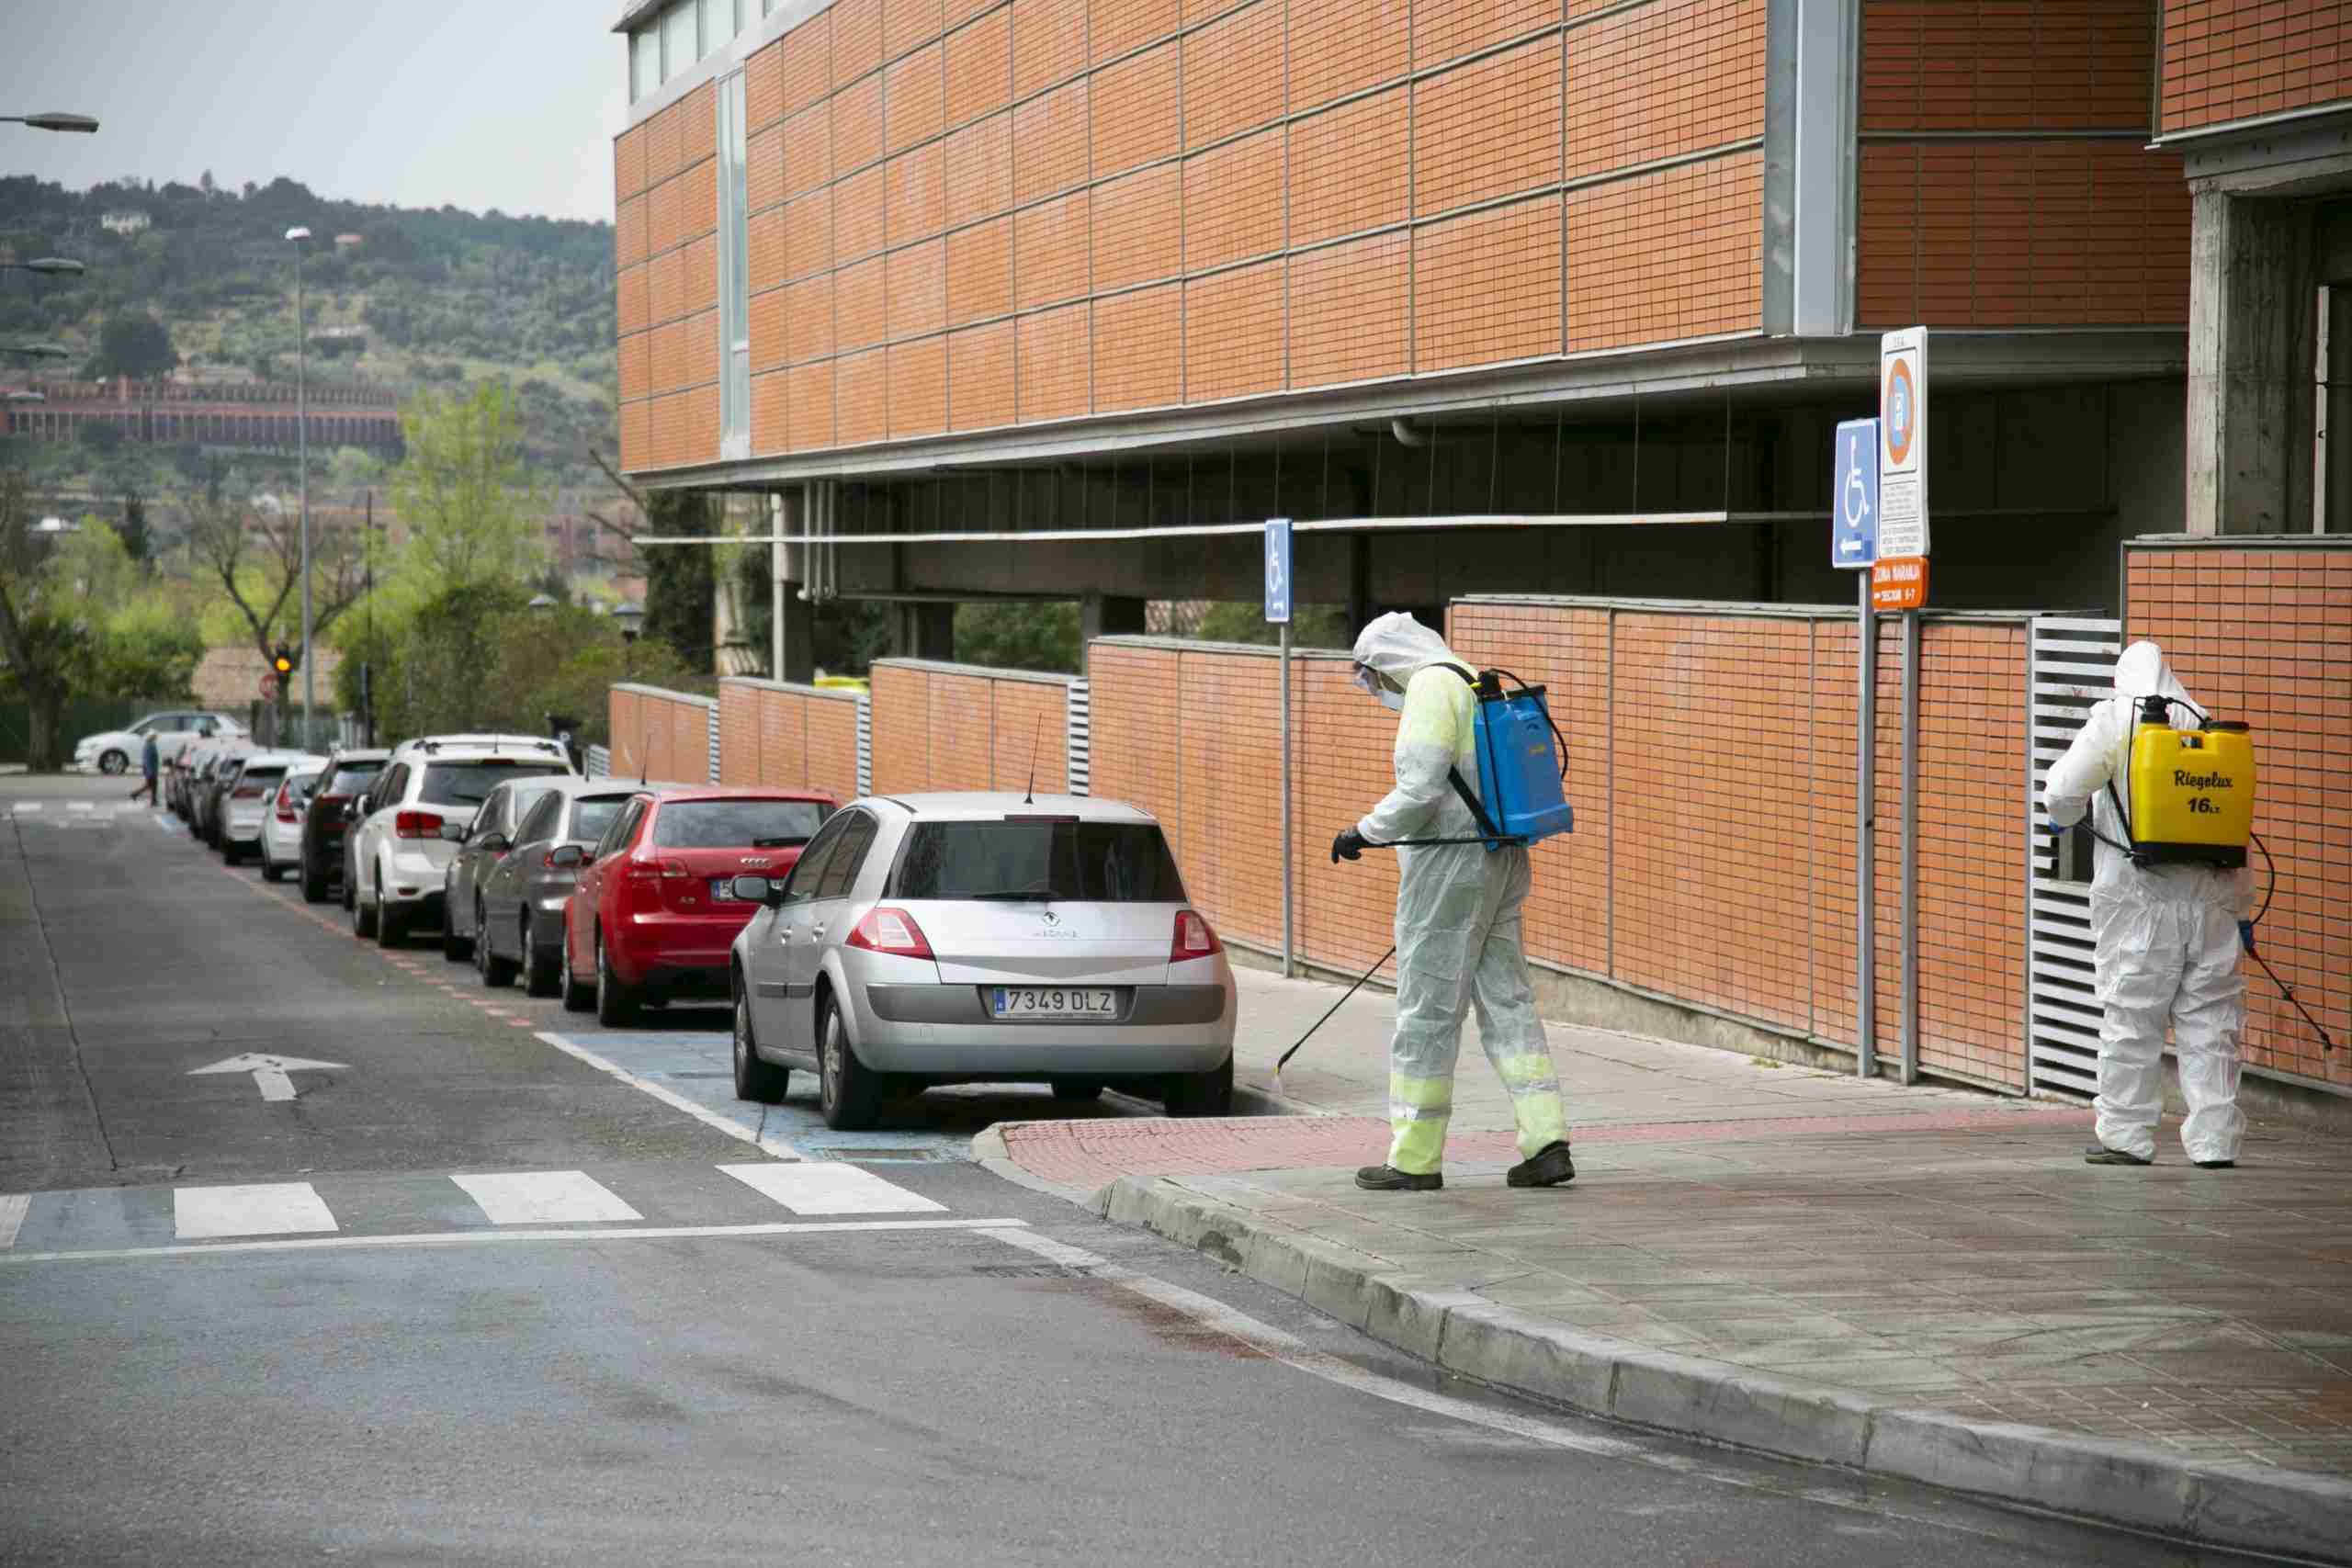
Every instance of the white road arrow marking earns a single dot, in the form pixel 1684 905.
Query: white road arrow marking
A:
pixel 269 1072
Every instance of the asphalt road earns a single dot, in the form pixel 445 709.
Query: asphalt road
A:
pixel 493 1287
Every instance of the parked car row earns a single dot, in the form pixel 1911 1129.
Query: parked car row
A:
pixel 885 946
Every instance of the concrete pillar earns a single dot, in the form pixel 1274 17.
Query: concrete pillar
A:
pixel 792 653
pixel 1106 614
pixel 2250 299
pixel 924 631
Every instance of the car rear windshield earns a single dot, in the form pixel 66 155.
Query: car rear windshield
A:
pixel 1094 863
pixel 590 818
pixel 736 824
pixel 469 784
pixel 350 778
pixel 265 773
pixel 300 785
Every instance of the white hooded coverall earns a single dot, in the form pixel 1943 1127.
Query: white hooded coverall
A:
pixel 1457 914
pixel 2167 941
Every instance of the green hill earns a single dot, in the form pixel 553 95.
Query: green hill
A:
pixel 441 298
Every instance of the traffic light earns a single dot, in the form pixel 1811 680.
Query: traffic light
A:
pixel 284 660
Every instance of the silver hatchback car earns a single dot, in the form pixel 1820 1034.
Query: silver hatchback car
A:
pixel 934 939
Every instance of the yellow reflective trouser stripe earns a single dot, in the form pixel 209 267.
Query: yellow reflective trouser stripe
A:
pixel 1418 1109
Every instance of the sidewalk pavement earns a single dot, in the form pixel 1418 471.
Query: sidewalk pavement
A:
pixel 1923 1282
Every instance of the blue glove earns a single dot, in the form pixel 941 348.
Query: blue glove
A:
pixel 2056 827
pixel 2246 935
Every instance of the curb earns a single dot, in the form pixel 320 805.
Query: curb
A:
pixel 2144 1488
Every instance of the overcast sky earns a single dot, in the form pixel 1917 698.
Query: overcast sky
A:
pixel 475 104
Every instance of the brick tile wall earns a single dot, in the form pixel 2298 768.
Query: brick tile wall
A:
pixel 2231 60
pixel 919 387
pixel 938 729
pixel 664 737
pixel 2265 636
pixel 1065 150
pixel 861 398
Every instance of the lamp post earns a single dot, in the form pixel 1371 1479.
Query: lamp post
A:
pixel 298 238
pixel 630 616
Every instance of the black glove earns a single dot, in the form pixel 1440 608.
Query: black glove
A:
pixel 1349 845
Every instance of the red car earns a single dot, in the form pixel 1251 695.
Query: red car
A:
pixel 654 915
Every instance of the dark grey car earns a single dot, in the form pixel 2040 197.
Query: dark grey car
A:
pixel 488 837
pixel 519 901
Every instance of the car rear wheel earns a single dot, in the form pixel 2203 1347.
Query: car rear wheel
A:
pixel 848 1091
pixel 1078 1088
pixel 540 973
pixel 577 997
pixel 1201 1094
pixel 392 922
pixel 455 948
pixel 314 884
pixel 270 870
pixel 496 971
pixel 114 762
pixel 615 1002
pixel 754 1079
pixel 230 854
pixel 363 914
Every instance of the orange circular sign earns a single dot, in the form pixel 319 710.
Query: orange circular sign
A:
pixel 1900 399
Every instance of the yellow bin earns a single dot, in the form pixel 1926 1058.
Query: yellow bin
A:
pixel 2192 794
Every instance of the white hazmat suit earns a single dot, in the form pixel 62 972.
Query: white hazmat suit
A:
pixel 1458 939
pixel 2167 940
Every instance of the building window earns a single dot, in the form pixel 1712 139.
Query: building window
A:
pixel 678 51
pixel 715 28
pixel 734 284
pixel 645 60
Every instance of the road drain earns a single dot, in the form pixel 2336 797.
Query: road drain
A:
pixel 1028 1272
pixel 901 1155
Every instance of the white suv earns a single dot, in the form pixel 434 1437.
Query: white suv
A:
pixel 407 827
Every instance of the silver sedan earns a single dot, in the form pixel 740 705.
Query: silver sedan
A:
pixel 926 939
pixel 517 916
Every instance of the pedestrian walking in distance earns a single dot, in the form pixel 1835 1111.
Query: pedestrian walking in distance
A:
pixel 2167 944
pixel 150 762
pixel 1458 943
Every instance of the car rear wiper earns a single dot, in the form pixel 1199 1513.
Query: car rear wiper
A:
pixel 776 843
pixel 1011 896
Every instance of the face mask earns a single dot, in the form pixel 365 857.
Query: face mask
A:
pixel 1371 685
pixel 1393 701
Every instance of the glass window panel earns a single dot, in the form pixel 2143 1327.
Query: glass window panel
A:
pixel 734 300
pixel 644 60
pixel 678 39
pixel 715 16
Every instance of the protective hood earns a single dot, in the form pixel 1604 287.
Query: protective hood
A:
pixel 1396 647
pixel 2143 671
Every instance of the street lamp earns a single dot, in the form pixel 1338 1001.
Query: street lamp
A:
pixel 53 120
pixel 630 616
pixel 57 266
pixel 300 238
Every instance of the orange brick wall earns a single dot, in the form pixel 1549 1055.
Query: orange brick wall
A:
pixel 2265 634
pixel 939 727
pixel 2232 60
pixel 1711 766
pixel 666 212
pixel 791 737
pixel 2059 230
pixel 941 178
pixel 661 736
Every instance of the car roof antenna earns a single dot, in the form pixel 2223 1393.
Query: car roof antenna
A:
pixel 1034 735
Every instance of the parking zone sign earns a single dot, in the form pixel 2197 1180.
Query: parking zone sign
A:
pixel 1903 443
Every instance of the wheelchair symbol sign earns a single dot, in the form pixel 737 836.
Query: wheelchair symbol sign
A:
pixel 1853 486
pixel 1278 571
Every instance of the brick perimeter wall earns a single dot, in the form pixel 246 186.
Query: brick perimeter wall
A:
pixel 2265 636
pixel 973 217
pixel 2230 60
pixel 791 737
pixel 950 727
pixel 661 737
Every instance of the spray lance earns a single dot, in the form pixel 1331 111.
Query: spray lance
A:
pixel 1523 770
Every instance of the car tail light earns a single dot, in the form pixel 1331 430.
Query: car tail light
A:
pixel 253 793
pixel 890 931
pixel 656 871
pixel 1194 939
pixel 286 812
pixel 416 825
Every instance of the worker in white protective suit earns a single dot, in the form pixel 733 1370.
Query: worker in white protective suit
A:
pixel 1457 924
pixel 2168 943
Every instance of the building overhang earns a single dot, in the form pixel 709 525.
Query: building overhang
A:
pixel 2300 153
pixel 1745 373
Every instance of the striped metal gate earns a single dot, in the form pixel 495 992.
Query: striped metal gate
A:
pixel 1081 762
pixel 2072 666
pixel 714 742
pixel 599 762
pixel 865 743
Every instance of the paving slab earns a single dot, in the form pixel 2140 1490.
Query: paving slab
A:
pixel 1926 1282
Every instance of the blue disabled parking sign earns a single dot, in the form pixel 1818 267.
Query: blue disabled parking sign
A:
pixel 1278 571
pixel 1853 488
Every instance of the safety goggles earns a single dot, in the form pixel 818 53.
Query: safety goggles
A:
pixel 1372 682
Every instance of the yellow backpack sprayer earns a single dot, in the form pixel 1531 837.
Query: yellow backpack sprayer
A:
pixel 1522 771
pixel 2190 802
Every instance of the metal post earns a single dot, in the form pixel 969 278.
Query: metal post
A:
pixel 776 560
pixel 1866 741
pixel 1910 846
pixel 303 422
pixel 1290 903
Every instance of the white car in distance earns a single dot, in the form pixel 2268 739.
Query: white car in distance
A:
pixel 118 751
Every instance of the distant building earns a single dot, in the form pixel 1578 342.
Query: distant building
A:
pixel 348 241
pixel 253 416
pixel 129 220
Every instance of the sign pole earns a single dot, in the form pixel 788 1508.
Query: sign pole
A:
pixel 1865 781
pixel 1910 846
pixel 1278 607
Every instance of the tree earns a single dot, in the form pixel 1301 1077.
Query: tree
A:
pixel 679 585
pixel 136 542
pixel 133 344
pixel 463 492
pixel 42 648
pixel 255 552
pixel 1014 634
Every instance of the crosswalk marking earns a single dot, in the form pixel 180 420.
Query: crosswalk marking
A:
pixel 12 1216
pixel 275 1208
pixel 26 807
pixel 78 805
pixel 815 1188
pixel 544 1197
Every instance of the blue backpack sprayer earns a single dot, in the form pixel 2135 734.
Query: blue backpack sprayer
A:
pixel 1522 769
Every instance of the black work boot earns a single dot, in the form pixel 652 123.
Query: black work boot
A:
pixel 1389 1178
pixel 2099 1154
pixel 2215 1164
pixel 1547 1167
